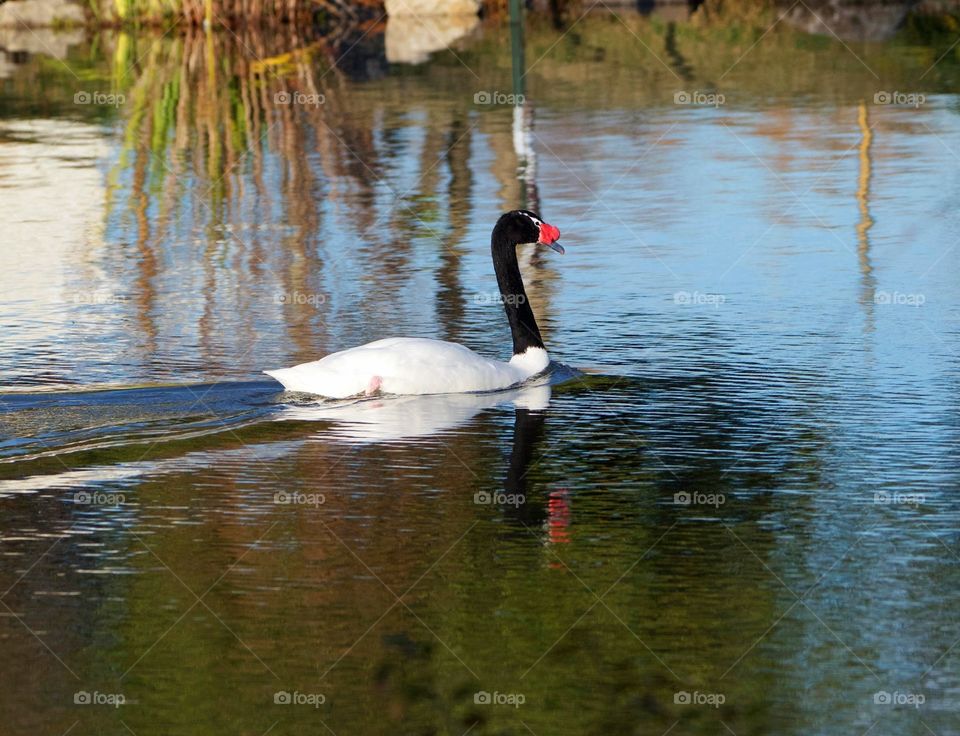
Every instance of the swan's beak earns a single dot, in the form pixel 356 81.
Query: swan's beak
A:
pixel 549 235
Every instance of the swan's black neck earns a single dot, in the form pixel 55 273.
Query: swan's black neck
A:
pixel 523 326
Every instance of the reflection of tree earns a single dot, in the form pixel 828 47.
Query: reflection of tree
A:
pixel 676 58
pixel 451 300
pixel 868 280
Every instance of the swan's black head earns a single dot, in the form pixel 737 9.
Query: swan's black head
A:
pixel 523 226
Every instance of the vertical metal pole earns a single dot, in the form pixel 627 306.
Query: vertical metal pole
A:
pixel 522 114
pixel 516 45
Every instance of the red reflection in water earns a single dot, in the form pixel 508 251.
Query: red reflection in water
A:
pixel 558 517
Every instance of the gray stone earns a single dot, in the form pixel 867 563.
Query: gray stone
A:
pixel 424 8
pixel 40 13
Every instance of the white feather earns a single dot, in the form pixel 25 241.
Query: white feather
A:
pixel 409 365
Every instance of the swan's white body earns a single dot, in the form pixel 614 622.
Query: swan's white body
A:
pixel 409 365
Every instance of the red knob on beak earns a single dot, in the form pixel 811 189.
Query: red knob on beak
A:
pixel 549 235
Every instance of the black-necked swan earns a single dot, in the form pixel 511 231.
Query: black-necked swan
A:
pixel 418 365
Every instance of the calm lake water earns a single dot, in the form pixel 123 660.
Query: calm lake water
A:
pixel 730 508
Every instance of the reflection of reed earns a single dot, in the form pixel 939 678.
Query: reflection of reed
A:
pixel 202 113
pixel 145 290
pixel 863 203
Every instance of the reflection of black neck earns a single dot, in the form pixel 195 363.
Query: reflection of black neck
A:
pixel 528 432
pixel 523 326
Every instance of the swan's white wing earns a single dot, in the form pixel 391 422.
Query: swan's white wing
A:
pixel 402 365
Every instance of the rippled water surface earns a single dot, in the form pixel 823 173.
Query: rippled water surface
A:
pixel 737 486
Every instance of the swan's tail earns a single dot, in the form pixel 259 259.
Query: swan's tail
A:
pixel 283 376
pixel 309 378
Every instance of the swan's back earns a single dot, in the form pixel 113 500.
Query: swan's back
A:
pixel 402 365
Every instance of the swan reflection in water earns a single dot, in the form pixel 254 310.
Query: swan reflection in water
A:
pixel 400 418
pixel 396 418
